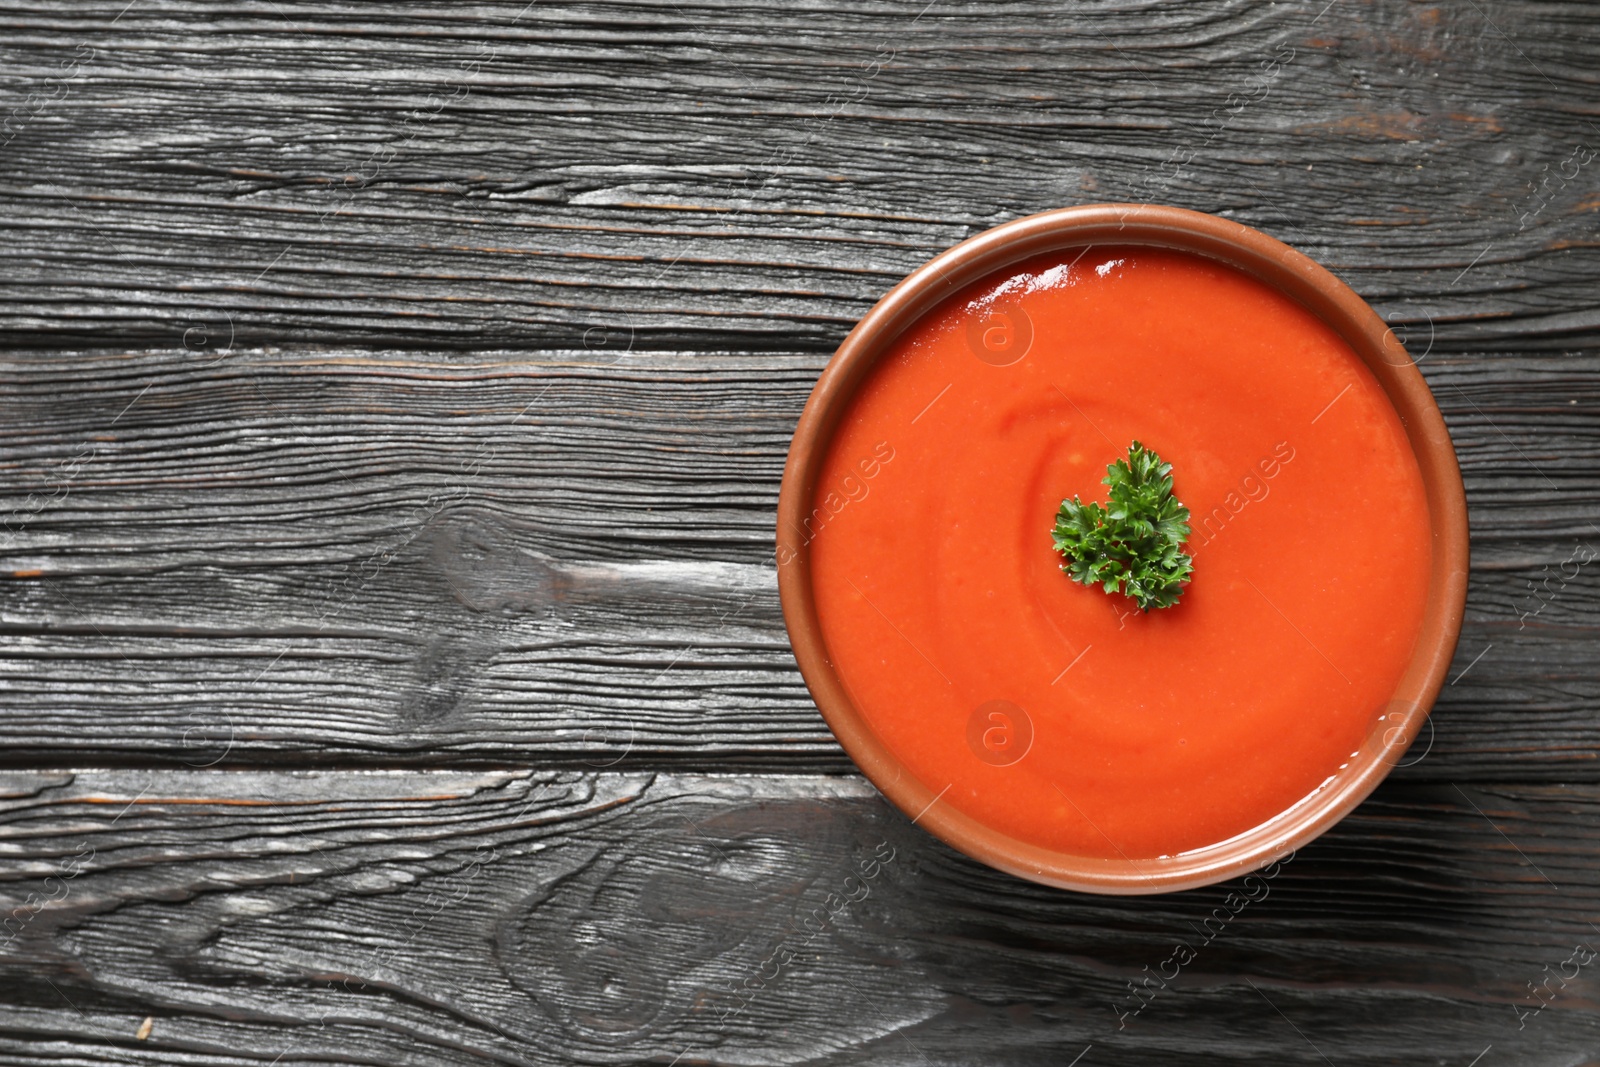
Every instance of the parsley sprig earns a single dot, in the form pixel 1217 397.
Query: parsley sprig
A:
pixel 1135 544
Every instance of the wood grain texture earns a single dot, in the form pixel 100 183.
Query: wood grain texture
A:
pixel 331 336
pixel 532 918
pixel 351 557
pixel 709 175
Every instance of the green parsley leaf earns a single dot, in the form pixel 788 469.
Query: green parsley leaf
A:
pixel 1134 545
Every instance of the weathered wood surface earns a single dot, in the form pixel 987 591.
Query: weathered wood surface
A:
pixel 529 918
pixel 713 175
pixel 337 557
pixel 333 336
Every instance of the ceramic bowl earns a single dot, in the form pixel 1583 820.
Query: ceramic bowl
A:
pixel 1279 267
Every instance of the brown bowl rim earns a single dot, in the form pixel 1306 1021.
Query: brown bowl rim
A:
pixel 1287 271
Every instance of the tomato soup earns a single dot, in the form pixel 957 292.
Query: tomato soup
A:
pixel 1051 711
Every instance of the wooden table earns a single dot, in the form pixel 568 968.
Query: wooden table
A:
pixel 394 403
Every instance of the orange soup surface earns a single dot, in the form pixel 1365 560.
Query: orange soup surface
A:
pixel 1056 713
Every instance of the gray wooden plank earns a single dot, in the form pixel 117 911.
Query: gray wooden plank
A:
pixel 709 175
pixel 525 917
pixel 348 557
